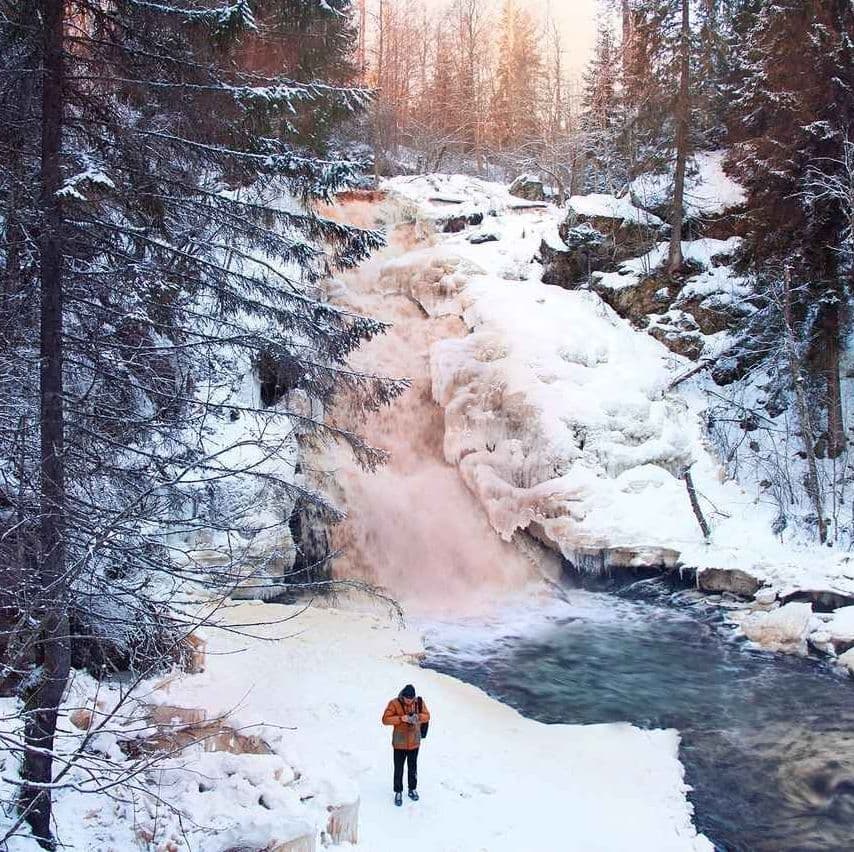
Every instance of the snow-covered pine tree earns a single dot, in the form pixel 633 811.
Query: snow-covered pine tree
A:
pixel 791 112
pixel 602 112
pixel 159 241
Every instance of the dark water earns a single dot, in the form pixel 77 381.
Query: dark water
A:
pixel 767 741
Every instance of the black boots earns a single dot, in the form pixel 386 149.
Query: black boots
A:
pixel 398 797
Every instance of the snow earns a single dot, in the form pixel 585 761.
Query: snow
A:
pixel 314 689
pixel 783 629
pixel 432 197
pixel 91 177
pixel 709 190
pixel 840 627
pixel 704 252
pixel 601 205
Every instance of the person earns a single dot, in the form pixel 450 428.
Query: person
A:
pixel 406 713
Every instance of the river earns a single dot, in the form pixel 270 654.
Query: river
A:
pixel 767 740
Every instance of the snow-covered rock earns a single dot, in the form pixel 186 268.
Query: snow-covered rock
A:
pixel 847 660
pixel 784 629
pixel 438 199
pixel 737 581
pixel 765 596
pixel 840 628
pixel 529 187
pixel 600 207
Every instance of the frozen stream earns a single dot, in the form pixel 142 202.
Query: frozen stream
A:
pixel 767 741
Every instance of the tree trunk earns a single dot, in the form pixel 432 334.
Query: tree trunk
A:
pixel 830 367
pixel 683 117
pixel 43 697
pixel 628 36
pixel 813 483
pixel 695 504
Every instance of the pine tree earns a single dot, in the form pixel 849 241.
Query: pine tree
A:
pixel 602 114
pixel 682 142
pixel 792 111
pixel 159 242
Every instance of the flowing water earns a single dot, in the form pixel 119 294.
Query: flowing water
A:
pixel 767 741
pixel 412 527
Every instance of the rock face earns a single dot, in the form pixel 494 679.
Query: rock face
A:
pixel 784 629
pixel 529 187
pixel 598 233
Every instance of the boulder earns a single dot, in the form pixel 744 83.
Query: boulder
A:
pixel 632 230
pixel 529 187
pixel 455 224
pixel 583 250
pixel 821 641
pixel 733 580
pixel 637 298
pixel 841 629
pixel 765 596
pixel 784 629
pixel 81 718
pixel 483 237
pixel 847 660
pixel 304 843
pixel 679 333
pixel 711 313
pixel 822 600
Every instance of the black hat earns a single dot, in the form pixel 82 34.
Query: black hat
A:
pixel 408 691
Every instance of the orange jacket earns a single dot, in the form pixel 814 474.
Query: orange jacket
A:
pixel 404 735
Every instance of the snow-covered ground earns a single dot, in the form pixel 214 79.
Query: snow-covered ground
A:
pixel 709 190
pixel 313 689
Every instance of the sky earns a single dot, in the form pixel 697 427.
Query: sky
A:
pixel 577 20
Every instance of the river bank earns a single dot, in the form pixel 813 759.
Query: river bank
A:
pixel 305 697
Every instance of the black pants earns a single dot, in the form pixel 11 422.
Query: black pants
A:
pixel 410 757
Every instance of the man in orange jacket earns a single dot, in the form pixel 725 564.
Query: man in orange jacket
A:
pixel 407 714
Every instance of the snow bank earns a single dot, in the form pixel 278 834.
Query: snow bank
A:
pixel 315 689
pixel 312 686
pixel 709 190
pixel 555 413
